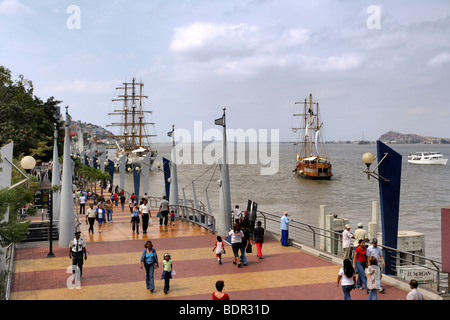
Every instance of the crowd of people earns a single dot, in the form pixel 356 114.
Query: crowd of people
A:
pixel 362 264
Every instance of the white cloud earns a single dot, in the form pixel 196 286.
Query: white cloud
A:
pixel 13 7
pixel 439 59
pixel 85 86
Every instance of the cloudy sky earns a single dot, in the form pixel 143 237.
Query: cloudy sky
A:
pixel 373 66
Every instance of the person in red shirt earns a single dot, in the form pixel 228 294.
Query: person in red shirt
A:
pixel 219 295
pixel 360 264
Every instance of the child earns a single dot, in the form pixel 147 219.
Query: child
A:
pixel 219 248
pixel 172 218
pixel 373 275
pixel 167 271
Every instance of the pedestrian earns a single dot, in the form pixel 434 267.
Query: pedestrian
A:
pixel 219 248
pixel 135 219
pixel 414 294
pixel 109 210
pixel 236 213
pixel 167 271
pixel 91 215
pixel 236 242
pixel 360 264
pixel 122 201
pixel 346 242
pixel 375 251
pixel 131 206
pixel 258 239
pixel 164 211
pixel 219 295
pixel 77 248
pixel 347 278
pixel 373 276
pixel 149 260
pixel 172 218
pixel 145 213
pixel 246 245
pixel 82 200
pixel 360 233
pixel 101 216
pixel 285 229
pixel 116 199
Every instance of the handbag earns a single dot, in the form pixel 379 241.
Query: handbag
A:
pixel 249 248
pixel 158 215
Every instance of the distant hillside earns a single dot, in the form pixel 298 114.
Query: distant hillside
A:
pixel 396 137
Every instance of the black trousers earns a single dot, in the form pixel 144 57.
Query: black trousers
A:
pixel 77 260
pixel 145 222
pixel 91 224
pixel 163 215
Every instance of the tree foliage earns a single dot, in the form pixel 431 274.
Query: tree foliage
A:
pixel 26 119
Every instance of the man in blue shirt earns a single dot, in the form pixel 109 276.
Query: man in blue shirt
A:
pixel 285 229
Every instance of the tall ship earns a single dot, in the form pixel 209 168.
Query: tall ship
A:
pixel 134 131
pixel 312 159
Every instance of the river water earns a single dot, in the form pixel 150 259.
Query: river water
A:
pixel 349 194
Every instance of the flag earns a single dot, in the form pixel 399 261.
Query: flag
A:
pixel 170 133
pixel 220 121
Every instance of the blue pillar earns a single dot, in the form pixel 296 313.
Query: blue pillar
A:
pixel 111 170
pixel 95 162
pixel 136 180
pixel 390 168
pixel 166 168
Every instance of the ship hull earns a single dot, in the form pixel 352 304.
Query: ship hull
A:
pixel 314 171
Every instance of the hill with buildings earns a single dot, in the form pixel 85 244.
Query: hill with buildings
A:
pixel 396 137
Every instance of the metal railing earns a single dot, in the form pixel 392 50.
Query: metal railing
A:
pixel 193 215
pixel 319 238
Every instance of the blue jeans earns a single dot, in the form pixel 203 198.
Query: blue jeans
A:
pixel 362 281
pixel 149 272
pixel 243 258
pixel 347 290
pixel 373 294
pixel 284 237
pixel 109 214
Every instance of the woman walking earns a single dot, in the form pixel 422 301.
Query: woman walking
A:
pixel 236 243
pixel 149 260
pixel 101 217
pixel 347 278
pixel 135 218
pixel 109 210
pixel 91 214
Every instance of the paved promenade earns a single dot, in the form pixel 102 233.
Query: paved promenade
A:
pixel 112 270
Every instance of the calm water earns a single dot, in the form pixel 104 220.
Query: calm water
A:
pixel 424 190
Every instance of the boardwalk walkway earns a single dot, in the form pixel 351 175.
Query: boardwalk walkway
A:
pixel 112 270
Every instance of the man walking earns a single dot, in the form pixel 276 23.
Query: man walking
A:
pixel 164 211
pixel 77 248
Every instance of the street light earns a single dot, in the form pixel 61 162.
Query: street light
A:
pixel 368 158
pixel 28 163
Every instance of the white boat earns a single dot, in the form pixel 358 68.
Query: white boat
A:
pixel 427 158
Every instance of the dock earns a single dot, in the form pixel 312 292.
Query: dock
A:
pixel 112 269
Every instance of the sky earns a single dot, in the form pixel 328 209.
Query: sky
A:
pixel 372 66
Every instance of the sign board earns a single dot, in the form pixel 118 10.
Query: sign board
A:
pixel 421 274
pixel 42 198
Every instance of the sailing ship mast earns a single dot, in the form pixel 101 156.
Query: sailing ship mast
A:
pixel 133 123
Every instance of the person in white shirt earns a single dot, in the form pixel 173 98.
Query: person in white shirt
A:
pixel 77 248
pixel 414 294
pixel 346 242
pixel 375 251
pixel 145 213
pixel 82 200
pixel 236 214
